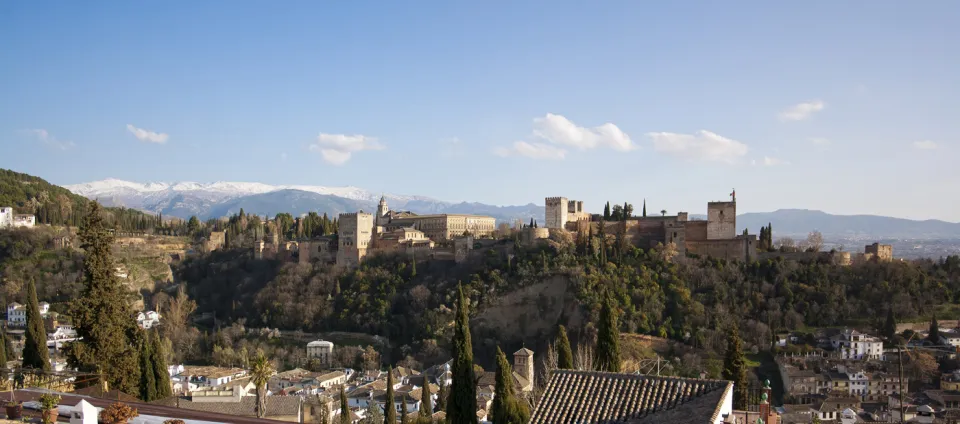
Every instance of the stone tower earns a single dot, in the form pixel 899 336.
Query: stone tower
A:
pixel 556 212
pixel 355 237
pixel 382 211
pixel 721 220
pixel 523 364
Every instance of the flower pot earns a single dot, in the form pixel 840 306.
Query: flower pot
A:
pixel 14 411
pixel 50 415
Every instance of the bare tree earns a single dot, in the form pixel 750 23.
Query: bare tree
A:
pixel 549 363
pixel 666 252
pixel 815 241
pixel 583 359
pixel 786 243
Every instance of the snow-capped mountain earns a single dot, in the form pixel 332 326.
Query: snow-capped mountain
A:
pixel 222 198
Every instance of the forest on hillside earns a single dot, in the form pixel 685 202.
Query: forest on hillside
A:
pixel 55 205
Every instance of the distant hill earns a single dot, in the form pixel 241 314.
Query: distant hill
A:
pixel 52 204
pixel 796 222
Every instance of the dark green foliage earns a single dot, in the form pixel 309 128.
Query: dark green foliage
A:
pixel 389 410
pixel 607 354
pixel 403 410
pixel 426 400
pixel 507 408
pixel 606 212
pixel 564 352
pixel 160 374
pixel 102 315
pixel 35 353
pixel 442 392
pixel 890 326
pixel 344 407
pixel 735 368
pixel 58 206
pixel 148 381
pixel 934 333
pixel 462 401
pixel 3 350
pixel 644 207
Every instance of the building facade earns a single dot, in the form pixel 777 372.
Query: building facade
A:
pixel 852 344
pixel 8 219
pixel 320 349
pixel 355 238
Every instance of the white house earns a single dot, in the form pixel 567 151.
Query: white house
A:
pixel 852 344
pixel 950 337
pixel 148 319
pixel 859 383
pixel 320 349
pixel 16 315
pixel 8 219
pixel 60 336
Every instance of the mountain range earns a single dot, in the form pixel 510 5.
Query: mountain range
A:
pixel 212 200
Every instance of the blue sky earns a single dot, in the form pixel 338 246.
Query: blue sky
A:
pixel 847 107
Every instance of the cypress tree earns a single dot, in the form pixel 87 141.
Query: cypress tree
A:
pixel 506 408
pixel 934 334
pixel 102 315
pixel 3 350
pixel 890 327
pixel 35 353
pixel 644 207
pixel 564 352
pixel 403 409
pixel 735 368
pixel 442 392
pixel 462 403
pixel 148 383
pixel 344 407
pixel 160 374
pixel 389 411
pixel 607 354
pixel 606 212
pixel 426 400
pixel 602 235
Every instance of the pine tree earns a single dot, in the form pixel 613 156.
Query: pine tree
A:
pixel 148 383
pixel 890 327
pixel 389 411
pixel 606 212
pixel 35 353
pixel 462 403
pixel 735 368
pixel 344 407
pixel 934 334
pixel 506 408
pixel 426 400
pixel 564 352
pixel 607 353
pixel 102 314
pixel 160 374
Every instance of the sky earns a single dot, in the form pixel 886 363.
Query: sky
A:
pixel 847 107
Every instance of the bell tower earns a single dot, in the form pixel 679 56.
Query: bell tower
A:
pixel 382 210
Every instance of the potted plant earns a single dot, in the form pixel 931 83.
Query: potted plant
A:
pixel 14 407
pixel 48 406
pixel 117 413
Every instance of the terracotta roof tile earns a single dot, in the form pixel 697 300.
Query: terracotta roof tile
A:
pixel 598 397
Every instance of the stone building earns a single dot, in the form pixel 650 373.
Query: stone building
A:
pixel 320 349
pixel 560 211
pixel 8 219
pixel 406 239
pixel 716 237
pixel 438 227
pixel 355 238
pixel 532 235
pixel 216 241
pixel 322 249
pixel 880 252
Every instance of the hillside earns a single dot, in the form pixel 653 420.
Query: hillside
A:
pixel 797 222
pixel 58 206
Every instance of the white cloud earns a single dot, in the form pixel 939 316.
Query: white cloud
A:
pixel 44 137
pixel 147 135
pixel 337 149
pixel 925 145
pixel 802 111
pixel 532 150
pixel 769 161
pixel 552 131
pixel 702 145
pixel 820 141
pixel 560 130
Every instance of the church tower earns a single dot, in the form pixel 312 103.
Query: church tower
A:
pixel 523 364
pixel 382 210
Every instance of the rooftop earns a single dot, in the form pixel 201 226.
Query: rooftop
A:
pixel 589 396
